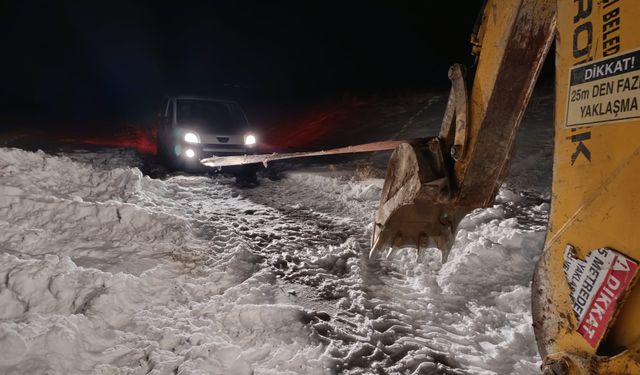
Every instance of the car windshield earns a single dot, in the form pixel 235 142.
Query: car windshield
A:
pixel 218 116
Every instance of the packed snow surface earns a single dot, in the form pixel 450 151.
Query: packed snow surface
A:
pixel 105 270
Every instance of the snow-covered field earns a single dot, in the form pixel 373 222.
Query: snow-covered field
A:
pixel 105 270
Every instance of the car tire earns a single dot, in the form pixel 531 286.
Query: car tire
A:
pixel 246 177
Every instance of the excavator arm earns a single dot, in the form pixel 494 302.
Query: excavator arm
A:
pixel 584 300
pixel 429 188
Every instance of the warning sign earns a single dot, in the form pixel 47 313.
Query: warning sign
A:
pixel 597 284
pixel 604 91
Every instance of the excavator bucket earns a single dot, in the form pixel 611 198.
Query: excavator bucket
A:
pixel 432 183
pixel 415 208
pixel 585 293
pixel 430 186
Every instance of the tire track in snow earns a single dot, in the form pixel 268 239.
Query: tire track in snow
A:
pixel 267 279
pixel 392 316
pixel 370 329
pixel 201 305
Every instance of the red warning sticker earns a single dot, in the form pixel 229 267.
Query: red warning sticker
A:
pixel 597 284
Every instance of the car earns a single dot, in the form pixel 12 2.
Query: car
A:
pixel 193 128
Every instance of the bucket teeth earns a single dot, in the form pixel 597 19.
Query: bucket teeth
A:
pixel 445 248
pixel 372 252
pixel 392 250
pixel 416 206
pixel 382 244
pixel 395 245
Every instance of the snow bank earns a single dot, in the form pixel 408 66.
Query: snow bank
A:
pixel 415 315
pixel 108 271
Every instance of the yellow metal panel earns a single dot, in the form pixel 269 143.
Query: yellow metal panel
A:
pixel 516 36
pixel 596 173
pixel 497 22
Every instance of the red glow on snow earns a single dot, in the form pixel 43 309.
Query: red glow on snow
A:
pixel 141 139
pixel 320 127
pixel 303 132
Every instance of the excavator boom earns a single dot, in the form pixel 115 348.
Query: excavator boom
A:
pixel 464 167
pixel 585 301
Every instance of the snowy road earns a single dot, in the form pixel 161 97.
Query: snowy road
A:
pixel 108 271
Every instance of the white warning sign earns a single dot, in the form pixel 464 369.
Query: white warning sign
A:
pixel 597 284
pixel 604 91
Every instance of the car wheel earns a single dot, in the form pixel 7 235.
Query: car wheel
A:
pixel 247 177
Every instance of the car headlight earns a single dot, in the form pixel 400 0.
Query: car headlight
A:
pixel 249 139
pixel 190 153
pixel 191 138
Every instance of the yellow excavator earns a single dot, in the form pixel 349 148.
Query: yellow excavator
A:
pixel 584 298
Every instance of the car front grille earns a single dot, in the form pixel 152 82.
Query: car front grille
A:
pixel 214 147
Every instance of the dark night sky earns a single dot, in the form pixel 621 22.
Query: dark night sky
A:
pixel 97 62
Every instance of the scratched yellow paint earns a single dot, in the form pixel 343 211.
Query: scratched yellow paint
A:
pixel 498 18
pixel 596 174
